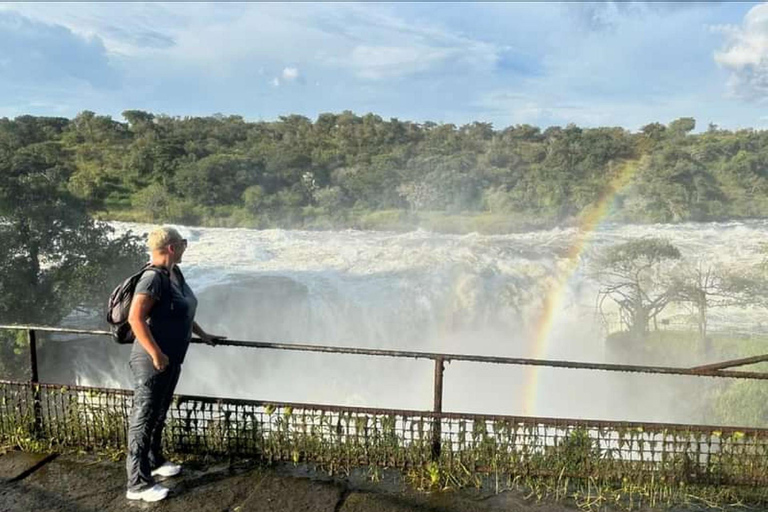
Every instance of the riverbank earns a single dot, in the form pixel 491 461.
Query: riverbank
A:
pixel 314 219
pixel 381 220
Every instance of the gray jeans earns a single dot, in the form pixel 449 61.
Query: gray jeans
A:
pixel 152 396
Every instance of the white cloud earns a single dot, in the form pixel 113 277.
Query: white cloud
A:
pixel 290 74
pixel 125 29
pixel 375 62
pixel 421 46
pixel 746 55
pixel 219 38
pixel 634 64
pixel 38 55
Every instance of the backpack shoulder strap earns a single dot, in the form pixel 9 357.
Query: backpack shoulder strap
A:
pixel 165 276
pixel 182 279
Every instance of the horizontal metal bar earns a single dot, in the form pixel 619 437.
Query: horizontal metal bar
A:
pixel 731 364
pixel 545 421
pixel 518 361
pixel 42 328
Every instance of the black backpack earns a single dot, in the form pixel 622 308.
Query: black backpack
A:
pixel 120 304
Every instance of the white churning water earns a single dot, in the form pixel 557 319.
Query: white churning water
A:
pixel 422 291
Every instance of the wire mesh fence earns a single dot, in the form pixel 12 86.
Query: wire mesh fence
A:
pixel 348 437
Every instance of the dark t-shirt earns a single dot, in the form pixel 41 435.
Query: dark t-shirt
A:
pixel 170 319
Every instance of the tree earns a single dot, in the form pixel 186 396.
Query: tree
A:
pixel 154 202
pixel 442 183
pixel 217 179
pixel 637 276
pixel 54 258
pixel 714 285
pixel 138 118
pixel 497 200
pixel 255 200
pixel 672 186
pixel 330 199
pixel 682 126
pixel 558 174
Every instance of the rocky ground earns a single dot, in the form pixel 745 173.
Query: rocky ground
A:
pixel 41 483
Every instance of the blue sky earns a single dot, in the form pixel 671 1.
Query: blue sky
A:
pixel 600 64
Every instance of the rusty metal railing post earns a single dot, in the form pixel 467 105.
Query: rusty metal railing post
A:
pixel 34 381
pixel 438 407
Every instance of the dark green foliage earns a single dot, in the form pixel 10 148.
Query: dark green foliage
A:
pixel 337 170
pixel 54 258
pixel 217 179
pixel 577 451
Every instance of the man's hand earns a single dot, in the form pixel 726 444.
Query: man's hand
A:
pixel 208 339
pixel 160 361
pixel 211 339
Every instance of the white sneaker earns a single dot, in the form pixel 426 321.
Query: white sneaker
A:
pixel 167 469
pixel 155 493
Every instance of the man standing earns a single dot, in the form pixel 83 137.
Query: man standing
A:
pixel 162 317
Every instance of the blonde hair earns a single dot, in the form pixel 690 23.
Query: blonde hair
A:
pixel 162 237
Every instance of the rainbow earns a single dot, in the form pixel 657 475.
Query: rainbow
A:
pixel 556 289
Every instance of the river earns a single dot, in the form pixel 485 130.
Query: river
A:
pixel 423 291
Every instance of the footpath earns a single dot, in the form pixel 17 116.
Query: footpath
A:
pixel 83 483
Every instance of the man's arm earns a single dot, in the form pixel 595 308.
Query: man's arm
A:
pixel 141 305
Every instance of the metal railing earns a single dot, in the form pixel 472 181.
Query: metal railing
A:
pixel 66 415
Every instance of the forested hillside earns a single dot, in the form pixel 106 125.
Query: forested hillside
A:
pixel 345 170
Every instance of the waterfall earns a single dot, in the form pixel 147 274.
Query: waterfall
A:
pixel 473 294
